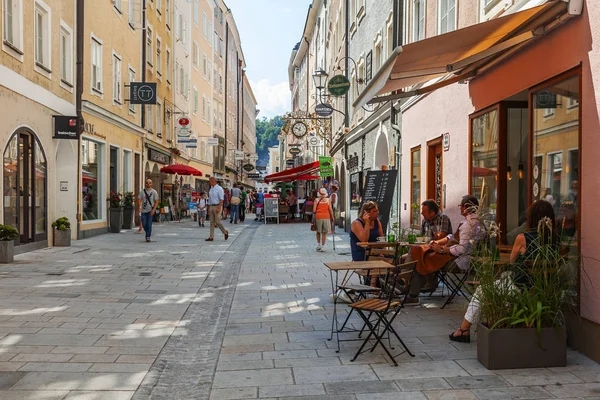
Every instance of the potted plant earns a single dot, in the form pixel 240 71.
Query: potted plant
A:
pixel 116 211
pixel 62 232
pixel 7 236
pixel 128 210
pixel 522 309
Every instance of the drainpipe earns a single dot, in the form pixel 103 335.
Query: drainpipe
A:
pixel 347 66
pixel 80 37
pixel 144 57
pixel 226 87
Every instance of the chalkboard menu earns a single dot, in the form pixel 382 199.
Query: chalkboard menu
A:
pixel 271 209
pixel 379 187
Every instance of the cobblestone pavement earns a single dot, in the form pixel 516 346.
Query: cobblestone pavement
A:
pixel 113 317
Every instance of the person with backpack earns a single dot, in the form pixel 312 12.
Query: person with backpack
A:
pixel 147 203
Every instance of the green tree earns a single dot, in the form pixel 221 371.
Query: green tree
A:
pixel 267 131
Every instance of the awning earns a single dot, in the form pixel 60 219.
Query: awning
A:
pixel 293 173
pixel 461 53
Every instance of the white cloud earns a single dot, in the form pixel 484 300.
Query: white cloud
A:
pixel 272 99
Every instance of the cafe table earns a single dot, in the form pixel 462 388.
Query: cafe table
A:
pixel 334 270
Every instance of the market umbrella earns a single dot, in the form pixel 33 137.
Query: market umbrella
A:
pixel 180 169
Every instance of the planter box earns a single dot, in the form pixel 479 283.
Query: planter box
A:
pixel 521 348
pixel 7 251
pixel 128 217
pixel 116 216
pixel 62 238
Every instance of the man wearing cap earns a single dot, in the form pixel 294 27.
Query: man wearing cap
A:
pixel 458 247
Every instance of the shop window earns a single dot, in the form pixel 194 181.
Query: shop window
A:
pixel 418 20
pixel 415 187
pixel 92 165
pixel 355 190
pixel 556 144
pixel 484 162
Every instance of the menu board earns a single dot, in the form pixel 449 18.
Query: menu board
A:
pixel 271 208
pixel 379 187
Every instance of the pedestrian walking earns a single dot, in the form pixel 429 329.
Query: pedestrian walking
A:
pixel 236 199
pixel 216 198
pixel 147 203
pixel 244 199
pixel 201 206
pixel 324 215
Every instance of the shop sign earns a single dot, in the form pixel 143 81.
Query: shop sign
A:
pixel 193 145
pixel 353 161
pixel 295 151
pixel 338 85
pixel 213 141
pixel 325 166
pixel 446 141
pixel 239 155
pixel 66 127
pixel 290 162
pixel 253 176
pixel 158 157
pixel 187 140
pixel 142 93
pixel 248 167
pixel 313 141
pixel 184 127
pixel 323 109
pixel 545 99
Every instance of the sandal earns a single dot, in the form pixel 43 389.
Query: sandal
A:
pixel 462 337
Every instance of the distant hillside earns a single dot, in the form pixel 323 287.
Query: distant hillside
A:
pixel 267 131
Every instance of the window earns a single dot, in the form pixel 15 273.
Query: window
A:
pixel 117 95
pixel 186 85
pixel 131 16
pixel 220 83
pixel 150 118
pixel 12 23
pixel 92 179
pixel 168 13
pixel 208 31
pixel 484 160
pixel 415 187
pixel 177 78
pixel 196 12
pixel 159 121
pixel 158 6
pixel 196 55
pixel 216 42
pixel 118 5
pixel 208 111
pixel 66 55
pixel 208 69
pixel 181 80
pixel 158 57
pixel 127 166
pixel 203 107
pixel 42 36
pixel 447 16
pixel 418 20
pixel 96 57
pixel 149 45
pixel 548 112
pixel 131 79
pixel 168 65
pixel 572 102
pixel 204 25
pixel 195 100
pixel 204 66
pixel 183 31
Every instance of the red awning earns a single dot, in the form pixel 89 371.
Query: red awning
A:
pixel 293 173
pixel 180 169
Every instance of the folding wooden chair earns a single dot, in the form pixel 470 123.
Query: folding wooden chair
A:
pixel 385 308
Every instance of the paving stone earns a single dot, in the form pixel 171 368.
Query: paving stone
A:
pixel 79 350
pixel 338 374
pixel 33 394
pixel 95 358
pixel 241 365
pixel 56 367
pixel 275 355
pixel 307 362
pixel 392 396
pixel 261 377
pixel 422 384
pixel 100 395
pixel 348 387
pixel 572 390
pixel 477 382
pixel 8 379
pixel 426 369
pixel 450 395
pixel 290 390
pixel 512 393
pixel 234 393
pixel 79 381
pixel 237 340
pixel 43 357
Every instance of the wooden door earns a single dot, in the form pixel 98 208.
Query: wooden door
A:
pixel 435 173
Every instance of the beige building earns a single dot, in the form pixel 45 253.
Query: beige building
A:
pixel 37 82
pixel 248 143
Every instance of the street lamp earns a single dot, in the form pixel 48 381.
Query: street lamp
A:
pixel 320 78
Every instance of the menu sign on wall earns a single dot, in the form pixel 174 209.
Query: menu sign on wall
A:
pixel 379 187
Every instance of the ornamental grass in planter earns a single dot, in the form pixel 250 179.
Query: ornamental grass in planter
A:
pixel 8 235
pixel 523 305
pixel 62 232
pixel 116 211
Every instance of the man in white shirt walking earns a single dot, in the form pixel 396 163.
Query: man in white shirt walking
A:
pixel 216 196
pixel 147 203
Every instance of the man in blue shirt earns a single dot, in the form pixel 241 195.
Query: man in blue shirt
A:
pixel 216 196
pixel 260 200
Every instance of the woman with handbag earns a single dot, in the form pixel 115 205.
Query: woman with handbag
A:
pixel 322 215
pixel 235 200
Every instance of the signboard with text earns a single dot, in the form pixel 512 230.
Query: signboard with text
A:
pixel 379 187
pixel 325 166
pixel 142 92
pixel 65 127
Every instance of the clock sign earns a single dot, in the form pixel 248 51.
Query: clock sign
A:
pixel 299 129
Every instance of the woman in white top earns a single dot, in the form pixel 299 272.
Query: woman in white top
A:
pixel 202 205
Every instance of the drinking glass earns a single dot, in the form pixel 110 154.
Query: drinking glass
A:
pixel 391 238
pixel 437 232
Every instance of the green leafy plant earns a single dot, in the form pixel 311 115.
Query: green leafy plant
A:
pixel 115 199
pixel 8 233
pixel 128 199
pixel 62 224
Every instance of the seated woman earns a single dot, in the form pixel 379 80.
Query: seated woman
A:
pixel 366 228
pixel 538 212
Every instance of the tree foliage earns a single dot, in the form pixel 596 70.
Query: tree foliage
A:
pixel 267 131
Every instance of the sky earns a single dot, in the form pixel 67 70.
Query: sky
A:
pixel 269 30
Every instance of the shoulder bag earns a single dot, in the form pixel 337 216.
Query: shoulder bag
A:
pixel 313 224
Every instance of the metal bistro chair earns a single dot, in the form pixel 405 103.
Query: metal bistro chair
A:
pixel 385 308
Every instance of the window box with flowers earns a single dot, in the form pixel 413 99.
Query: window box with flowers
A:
pixel 128 210
pixel 115 201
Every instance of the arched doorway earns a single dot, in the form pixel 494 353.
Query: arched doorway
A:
pixel 382 152
pixel 25 187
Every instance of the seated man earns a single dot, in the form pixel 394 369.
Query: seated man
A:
pixel 433 256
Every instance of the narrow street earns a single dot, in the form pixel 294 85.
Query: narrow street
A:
pixel 113 317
